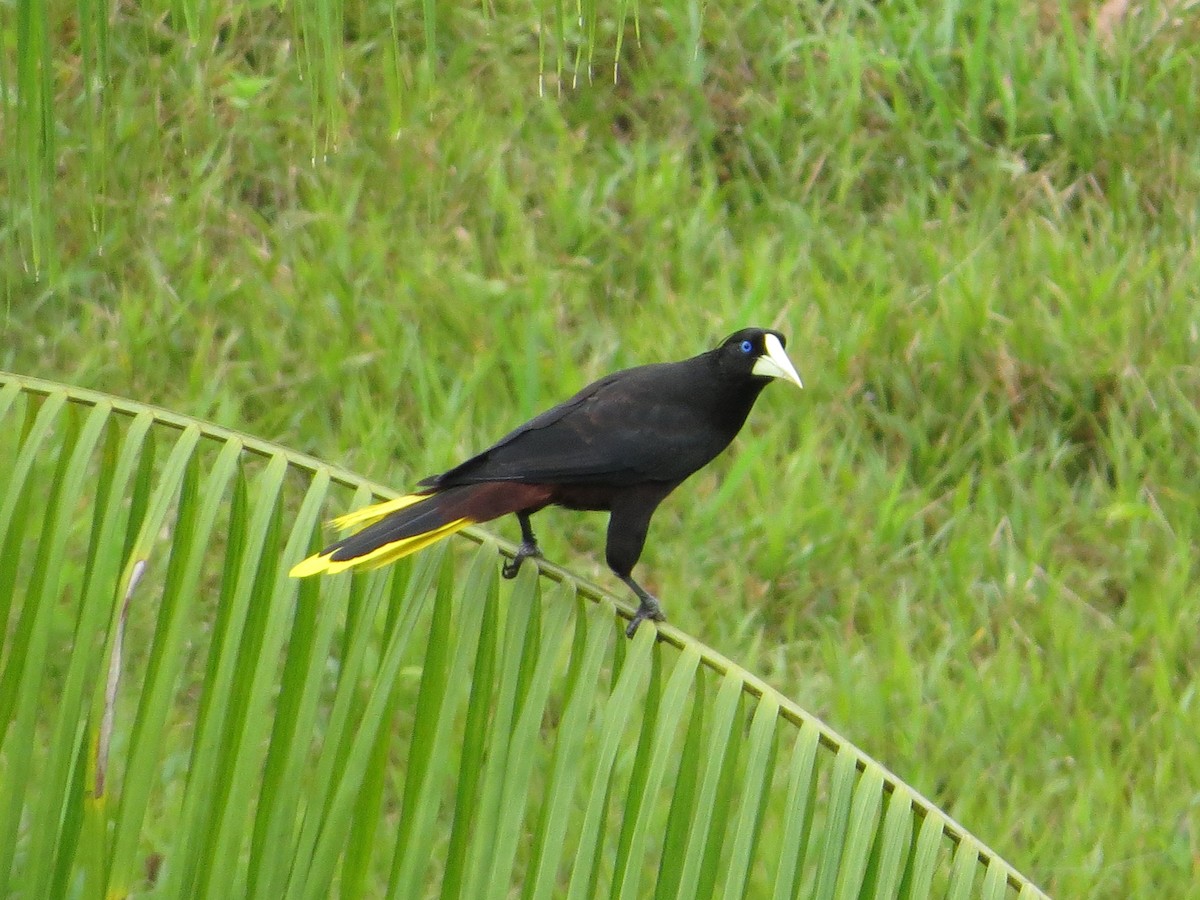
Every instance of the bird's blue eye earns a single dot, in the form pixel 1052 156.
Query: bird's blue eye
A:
pixel 747 346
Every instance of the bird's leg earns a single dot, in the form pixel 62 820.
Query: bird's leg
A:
pixel 528 548
pixel 648 606
pixel 628 522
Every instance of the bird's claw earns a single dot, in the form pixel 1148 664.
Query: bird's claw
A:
pixel 646 610
pixel 525 551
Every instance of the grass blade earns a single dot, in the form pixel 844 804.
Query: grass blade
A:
pixel 753 785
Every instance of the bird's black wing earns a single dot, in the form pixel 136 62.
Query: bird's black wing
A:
pixel 650 423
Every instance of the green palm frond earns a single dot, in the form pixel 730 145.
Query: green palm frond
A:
pixel 178 717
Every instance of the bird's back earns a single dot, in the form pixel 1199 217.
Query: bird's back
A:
pixel 657 422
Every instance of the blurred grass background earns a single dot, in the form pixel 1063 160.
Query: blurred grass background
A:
pixel 385 237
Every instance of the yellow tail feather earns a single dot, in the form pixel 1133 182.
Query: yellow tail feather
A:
pixel 314 565
pixel 369 515
pixel 380 556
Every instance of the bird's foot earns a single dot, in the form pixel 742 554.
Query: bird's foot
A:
pixel 526 550
pixel 648 608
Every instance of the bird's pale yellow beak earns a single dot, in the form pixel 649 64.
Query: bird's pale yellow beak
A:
pixel 774 363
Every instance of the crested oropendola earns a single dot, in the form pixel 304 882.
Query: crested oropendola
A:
pixel 621 444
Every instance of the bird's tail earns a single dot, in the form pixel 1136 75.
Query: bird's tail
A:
pixel 396 528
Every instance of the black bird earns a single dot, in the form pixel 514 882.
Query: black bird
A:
pixel 621 444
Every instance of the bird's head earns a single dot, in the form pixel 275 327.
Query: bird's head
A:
pixel 757 352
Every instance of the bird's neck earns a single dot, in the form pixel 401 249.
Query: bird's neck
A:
pixel 738 403
pixel 731 400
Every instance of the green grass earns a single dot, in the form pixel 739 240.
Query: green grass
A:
pixel 969 544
